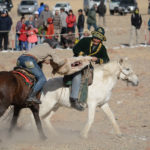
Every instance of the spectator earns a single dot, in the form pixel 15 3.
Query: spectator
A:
pixel 23 37
pixel 70 39
pixel 41 8
pixel 36 19
pixel 136 22
pixel 30 21
pixel 32 37
pixel 91 18
pixel 63 17
pixel 80 23
pixel 149 30
pixel 5 27
pixel 86 33
pixel 57 22
pixel 41 34
pixel 50 28
pixel 45 15
pixel 18 28
pixel 101 10
pixel 71 21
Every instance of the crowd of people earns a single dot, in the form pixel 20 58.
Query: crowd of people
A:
pixel 59 27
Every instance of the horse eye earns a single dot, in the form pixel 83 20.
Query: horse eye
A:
pixel 127 69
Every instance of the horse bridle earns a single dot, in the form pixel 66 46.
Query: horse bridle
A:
pixel 126 76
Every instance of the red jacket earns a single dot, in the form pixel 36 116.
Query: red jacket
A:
pixel 23 33
pixel 32 37
pixel 71 20
pixel 50 31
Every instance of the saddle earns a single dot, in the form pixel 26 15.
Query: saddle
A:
pixel 87 80
pixel 28 77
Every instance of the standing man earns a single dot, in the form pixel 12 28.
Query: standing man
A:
pixel 149 30
pixel 136 22
pixel 63 17
pixel 91 18
pixel 45 14
pixel 80 23
pixel 101 10
pixel 5 27
pixel 57 22
pixel 88 46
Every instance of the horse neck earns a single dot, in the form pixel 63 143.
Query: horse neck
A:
pixel 108 72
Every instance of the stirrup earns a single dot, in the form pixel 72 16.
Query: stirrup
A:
pixel 33 99
pixel 75 104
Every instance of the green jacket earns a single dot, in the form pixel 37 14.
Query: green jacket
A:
pixel 84 47
pixel 91 18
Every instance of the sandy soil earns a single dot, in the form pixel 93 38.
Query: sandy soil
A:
pixel 131 105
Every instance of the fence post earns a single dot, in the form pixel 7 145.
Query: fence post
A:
pixel 145 33
pixel 13 38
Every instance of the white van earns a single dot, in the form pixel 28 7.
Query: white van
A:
pixel 87 4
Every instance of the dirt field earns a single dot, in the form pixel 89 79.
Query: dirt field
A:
pixel 131 105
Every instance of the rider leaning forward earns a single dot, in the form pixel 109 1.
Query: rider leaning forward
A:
pixel 88 46
pixel 31 60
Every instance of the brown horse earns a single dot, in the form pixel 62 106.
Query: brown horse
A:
pixel 14 91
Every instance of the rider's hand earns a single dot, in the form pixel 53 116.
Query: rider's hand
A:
pixel 94 59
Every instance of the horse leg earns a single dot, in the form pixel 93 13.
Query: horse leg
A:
pixel 15 118
pixel 111 117
pixel 38 123
pixel 2 110
pixel 47 119
pixel 91 115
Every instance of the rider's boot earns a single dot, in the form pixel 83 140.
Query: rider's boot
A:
pixel 75 104
pixel 32 98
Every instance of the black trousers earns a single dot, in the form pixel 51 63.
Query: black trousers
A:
pixel 4 36
pixel 62 38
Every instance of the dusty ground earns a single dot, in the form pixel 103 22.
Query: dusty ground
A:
pixel 131 105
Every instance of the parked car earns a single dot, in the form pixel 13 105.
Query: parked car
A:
pixel 5 5
pixel 88 4
pixel 59 5
pixel 27 7
pixel 114 6
pixel 127 6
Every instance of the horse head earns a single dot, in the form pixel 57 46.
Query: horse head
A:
pixel 126 73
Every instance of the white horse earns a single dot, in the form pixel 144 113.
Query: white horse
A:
pixel 105 77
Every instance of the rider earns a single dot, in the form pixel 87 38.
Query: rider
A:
pixel 31 59
pixel 88 46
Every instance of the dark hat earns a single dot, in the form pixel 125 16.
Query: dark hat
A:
pixel 80 10
pixel 99 33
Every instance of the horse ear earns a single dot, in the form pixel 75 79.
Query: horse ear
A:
pixel 120 61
